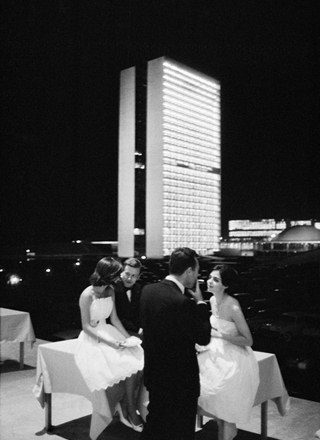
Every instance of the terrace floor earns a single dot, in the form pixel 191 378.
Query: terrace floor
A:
pixel 22 418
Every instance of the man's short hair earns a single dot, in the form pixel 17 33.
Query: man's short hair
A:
pixel 132 262
pixel 181 259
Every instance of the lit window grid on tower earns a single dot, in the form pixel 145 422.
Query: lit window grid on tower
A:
pixel 191 159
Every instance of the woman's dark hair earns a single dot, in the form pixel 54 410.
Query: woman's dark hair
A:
pixel 106 272
pixel 181 259
pixel 229 276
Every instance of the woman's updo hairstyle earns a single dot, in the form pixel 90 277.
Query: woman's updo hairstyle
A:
pixel 106 272
pixel 229 276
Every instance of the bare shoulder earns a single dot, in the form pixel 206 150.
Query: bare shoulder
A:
pixel 236 310
pixel 234 304
pixel 87 291
pixel 86 295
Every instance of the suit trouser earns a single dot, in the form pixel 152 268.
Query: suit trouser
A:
pixel 171 415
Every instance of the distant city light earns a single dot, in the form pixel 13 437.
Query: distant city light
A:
pixel 105 242
pixel 140 166
pixel 14 280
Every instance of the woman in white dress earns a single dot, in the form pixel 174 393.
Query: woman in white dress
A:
pixel 229 373
pixel 106 353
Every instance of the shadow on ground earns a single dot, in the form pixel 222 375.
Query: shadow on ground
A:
pixel 210 432
pixel 78 429
pixel 8 366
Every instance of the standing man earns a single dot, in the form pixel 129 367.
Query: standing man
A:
pixel 127 296
pixel 172 324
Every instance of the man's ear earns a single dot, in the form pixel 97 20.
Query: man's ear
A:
pixel 188 271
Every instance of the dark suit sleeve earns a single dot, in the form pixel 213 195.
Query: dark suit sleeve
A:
pixel 128 312
pixel 194 321
pixel 129 325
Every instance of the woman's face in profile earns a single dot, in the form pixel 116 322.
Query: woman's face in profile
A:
pixel 214 282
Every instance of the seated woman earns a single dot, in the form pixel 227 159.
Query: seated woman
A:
pixel 229 372
pixel 106 354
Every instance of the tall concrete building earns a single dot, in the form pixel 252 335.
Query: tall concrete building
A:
pixel 169 160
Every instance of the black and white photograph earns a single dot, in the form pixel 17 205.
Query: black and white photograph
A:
pixel 160 220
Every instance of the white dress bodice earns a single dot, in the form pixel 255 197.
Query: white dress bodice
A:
pixel 224 326
pixel 100 309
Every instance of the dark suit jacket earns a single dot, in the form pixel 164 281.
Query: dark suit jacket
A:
pixel 128 311
pixel 172 325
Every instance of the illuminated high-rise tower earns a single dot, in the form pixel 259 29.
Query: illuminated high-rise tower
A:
pixel 169 159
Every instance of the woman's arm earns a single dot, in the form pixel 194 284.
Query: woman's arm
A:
pixel 85 303
pixel 244 338
pixel 115 321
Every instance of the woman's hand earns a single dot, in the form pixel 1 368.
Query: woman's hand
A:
pixel 115 344
pixel 131 341
pixel 122 344
pixel 201 348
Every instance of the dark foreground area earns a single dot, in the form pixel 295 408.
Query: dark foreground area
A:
pixel 280 299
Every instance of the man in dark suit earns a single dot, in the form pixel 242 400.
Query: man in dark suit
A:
pixel 127 296
pixel 172 324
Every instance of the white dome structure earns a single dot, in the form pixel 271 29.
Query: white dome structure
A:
pixel 307 234
pixel 292 240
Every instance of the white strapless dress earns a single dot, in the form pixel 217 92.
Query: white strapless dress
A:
pixel 229 376
pixel 100 364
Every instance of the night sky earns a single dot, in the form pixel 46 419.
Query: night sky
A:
pixel 60 95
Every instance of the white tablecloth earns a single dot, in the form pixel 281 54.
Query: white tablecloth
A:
pixel 15 326
pixel 271 385
pixel 58 373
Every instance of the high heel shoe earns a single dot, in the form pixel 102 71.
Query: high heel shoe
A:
pixel 138 428
pixel 122 417
pixel 128 422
